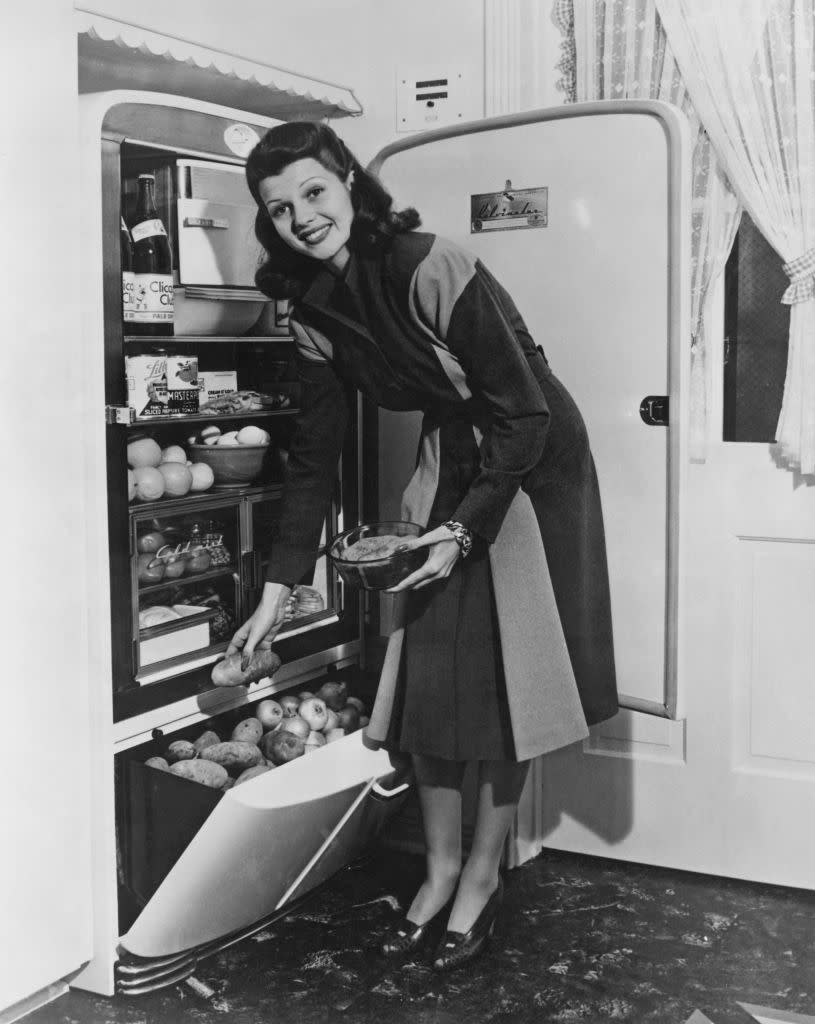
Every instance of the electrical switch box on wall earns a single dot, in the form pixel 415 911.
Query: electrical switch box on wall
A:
pixel 433 97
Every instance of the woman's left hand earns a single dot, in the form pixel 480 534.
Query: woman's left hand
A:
pixel 444 553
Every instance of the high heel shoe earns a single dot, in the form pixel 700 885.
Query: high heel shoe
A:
pixel 458 948
pixel 406 936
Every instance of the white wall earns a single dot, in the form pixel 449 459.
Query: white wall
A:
pixel 44 863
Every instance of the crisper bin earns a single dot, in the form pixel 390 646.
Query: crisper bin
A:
pixel 208 863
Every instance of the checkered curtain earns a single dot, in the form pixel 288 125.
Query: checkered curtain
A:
pixel 750 68
pixel 617 49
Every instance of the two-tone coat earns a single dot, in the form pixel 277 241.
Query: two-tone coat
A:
pixel 504 451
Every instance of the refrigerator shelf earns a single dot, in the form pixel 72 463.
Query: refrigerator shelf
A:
pixel 290 410
pixel 185 581
pixel 281 337
pixel 203 500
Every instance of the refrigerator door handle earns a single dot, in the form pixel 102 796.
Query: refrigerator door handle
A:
pixel 654 410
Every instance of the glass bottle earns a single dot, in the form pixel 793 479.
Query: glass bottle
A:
pixel 152 265
pixel 128 277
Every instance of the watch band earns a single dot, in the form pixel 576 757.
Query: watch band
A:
pixel 461 535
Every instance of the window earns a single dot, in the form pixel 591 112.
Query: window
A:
pixel 756 327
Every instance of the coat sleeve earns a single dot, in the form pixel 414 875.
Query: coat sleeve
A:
pixel 473 319
pixel 314 452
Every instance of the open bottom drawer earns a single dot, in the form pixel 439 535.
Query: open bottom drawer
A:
pixel 261 844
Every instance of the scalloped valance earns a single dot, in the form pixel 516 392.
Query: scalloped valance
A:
pixel 115 55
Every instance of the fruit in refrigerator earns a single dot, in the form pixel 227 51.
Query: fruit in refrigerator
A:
pixel 334 694
pixel 314 711
pixel 252 435
pixel 210 434
pixel 131 485
pixel 314 740
pixel 208 773
pixel 304 695
pixel 332 722
pixel 358 704
pixel 151 541
pixel 149 569
pixel 206 739
pixel 269 713
pixel 202 476
pixel 332 735
pixel 157 762
pixel 297 725
pixel 228 671
pixel 180 750
pixel 143 451
pixel 282 747
pixel 229 438
pixel 173 561
pixel 198 559
pixel 251 773
pixel 363 721
pixel 177 479
pixel 249 730
pixel 348 718
pixel 173 453
pixel 233 754
pixel 149 483
pixel 290 704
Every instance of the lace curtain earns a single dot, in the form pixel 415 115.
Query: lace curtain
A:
pixel 750 68
pixel 617 49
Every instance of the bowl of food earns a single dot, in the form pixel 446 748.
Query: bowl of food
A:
pixel 369 556
pixel 232 465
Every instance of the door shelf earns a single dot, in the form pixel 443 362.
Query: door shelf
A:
pixel 284 337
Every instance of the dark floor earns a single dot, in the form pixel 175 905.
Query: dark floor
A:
pixel 580 939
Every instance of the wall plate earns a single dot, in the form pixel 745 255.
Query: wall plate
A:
pixel 434 97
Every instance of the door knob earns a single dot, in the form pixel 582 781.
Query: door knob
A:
pixel 654 410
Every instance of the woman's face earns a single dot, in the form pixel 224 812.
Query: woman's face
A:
pixel 311 210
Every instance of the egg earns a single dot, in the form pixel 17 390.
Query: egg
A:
pixel 231 438
pixel 252 435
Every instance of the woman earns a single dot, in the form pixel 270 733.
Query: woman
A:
pixel 507 649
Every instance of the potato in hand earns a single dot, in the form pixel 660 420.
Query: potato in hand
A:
pixel 228 672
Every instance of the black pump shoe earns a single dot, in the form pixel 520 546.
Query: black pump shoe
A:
pixel 406 936
pixel 458 948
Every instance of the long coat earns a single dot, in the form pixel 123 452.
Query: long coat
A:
pixel 427 327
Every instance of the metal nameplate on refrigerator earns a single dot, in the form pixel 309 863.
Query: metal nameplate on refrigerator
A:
pixel 509 209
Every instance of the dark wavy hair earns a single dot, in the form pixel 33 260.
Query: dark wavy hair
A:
pixel 286 274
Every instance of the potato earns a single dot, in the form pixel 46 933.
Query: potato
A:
pixel 206 739
pixel 251 773
pixel 227 672
pixel 157 762
pixel 206 772
pixel 248 731
pixel 234 754
pixel 180 750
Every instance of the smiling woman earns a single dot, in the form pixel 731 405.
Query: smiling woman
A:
pixel 311 210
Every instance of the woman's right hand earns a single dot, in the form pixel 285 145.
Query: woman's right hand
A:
pixel 263 624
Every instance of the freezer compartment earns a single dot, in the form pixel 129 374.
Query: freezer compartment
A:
pixel 199 864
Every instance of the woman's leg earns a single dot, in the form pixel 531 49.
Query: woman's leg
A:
pixel 439 783
pixel 499 789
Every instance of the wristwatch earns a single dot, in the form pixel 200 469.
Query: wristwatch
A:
pixel 461 534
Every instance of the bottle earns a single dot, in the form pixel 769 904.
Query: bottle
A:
pixel 128 277
pixel 152 265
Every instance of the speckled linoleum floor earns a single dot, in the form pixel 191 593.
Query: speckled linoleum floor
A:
pixel 579 939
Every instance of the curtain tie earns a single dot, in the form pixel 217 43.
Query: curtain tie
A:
pixel 801 272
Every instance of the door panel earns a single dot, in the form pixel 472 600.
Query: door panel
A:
pixel 601 292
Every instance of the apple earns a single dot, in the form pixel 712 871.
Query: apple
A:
pixel 151 541
pixel 269 713
pixel 348 717
pixel 304 694
pixel 334 734
pixel 198 559
pixel 314 740
pixel 283 746
pixel 334 694
pixel 358 704
pixel 314 711
pixel 332 722
pixel 290 705
pixel 149 569
pixel 297 725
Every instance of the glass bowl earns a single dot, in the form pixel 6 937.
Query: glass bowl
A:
pixel 376 572
pixel 234 465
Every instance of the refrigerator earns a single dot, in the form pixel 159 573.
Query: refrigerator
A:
pixel 578 211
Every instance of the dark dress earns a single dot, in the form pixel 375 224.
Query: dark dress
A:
pixel 427 327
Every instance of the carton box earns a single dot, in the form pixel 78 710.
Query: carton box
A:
pixel 214 383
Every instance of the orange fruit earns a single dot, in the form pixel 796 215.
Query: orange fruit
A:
pixel 149 483
pixel 143 452
pixel 177 478
pixel 202 476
